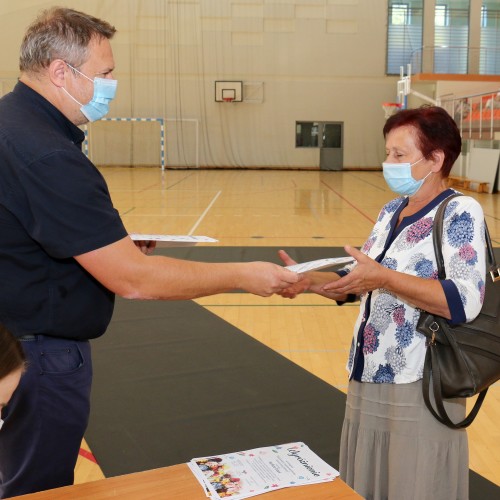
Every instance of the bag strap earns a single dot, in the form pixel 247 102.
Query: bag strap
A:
pixel 432 370
pixel 438 245
pixel 431 364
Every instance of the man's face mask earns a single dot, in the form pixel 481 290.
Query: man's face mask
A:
pixel 104 93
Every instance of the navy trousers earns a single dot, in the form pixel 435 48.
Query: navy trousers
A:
pixel 46 418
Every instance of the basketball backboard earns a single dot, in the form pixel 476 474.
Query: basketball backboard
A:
pixel 228 90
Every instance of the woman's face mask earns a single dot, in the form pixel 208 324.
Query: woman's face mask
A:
pixel 399 179
pixel 104 93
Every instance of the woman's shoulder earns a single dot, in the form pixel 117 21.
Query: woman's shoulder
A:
pixel 463 218
pixel 463 203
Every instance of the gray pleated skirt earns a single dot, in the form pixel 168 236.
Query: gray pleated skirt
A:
pixel 393 448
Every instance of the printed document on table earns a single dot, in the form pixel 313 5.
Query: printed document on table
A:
pixel 171 240
pixel 315 265
pixel 249 473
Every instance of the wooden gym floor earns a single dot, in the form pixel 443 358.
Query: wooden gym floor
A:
pixel 287 208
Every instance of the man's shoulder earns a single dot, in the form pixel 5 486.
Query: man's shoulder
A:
pixel 30 131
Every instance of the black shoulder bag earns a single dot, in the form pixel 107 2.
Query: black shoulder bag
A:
pixel 462 360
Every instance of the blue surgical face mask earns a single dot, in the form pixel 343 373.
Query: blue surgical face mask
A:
pixel 104 93
pixel 399 179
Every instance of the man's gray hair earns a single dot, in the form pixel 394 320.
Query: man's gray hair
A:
pixel 60 33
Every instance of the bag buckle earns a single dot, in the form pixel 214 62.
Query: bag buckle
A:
pixel 495 274
pixel 433 327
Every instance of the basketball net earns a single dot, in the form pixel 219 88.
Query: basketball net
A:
pixel 390 108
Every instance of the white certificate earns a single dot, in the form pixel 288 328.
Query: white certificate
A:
pixel 171 240
pixel 246 474
pixel 315 265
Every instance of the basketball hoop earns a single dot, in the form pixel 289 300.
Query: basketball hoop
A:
pixel 390 108
pixel 228 99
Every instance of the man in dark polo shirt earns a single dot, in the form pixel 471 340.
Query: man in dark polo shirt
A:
pixel 64 252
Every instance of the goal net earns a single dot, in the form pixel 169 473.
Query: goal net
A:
pixel 126 142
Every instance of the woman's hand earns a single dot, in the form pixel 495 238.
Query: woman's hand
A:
pixel 366 276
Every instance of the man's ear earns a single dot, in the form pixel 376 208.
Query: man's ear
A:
pixel 57 72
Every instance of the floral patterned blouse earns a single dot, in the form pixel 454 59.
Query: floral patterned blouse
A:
pixel 386 348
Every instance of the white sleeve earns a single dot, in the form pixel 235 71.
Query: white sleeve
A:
pixel 464 253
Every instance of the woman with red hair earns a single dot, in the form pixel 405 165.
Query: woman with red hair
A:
pixel 391 445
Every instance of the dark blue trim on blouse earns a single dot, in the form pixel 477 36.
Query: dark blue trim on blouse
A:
pixel 454 301
pixel 411 219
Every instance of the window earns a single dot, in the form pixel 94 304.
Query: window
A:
pixel 306 134
pixel 400 14
pixel 489 60
pixel 450 50
pixel 484 16
pixel 404 36
pixel 318 134
pixel 451 37
pixel 441 15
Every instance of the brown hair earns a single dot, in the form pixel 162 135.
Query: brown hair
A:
pixel 60 33
pixel 436 131
pixel 11 353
